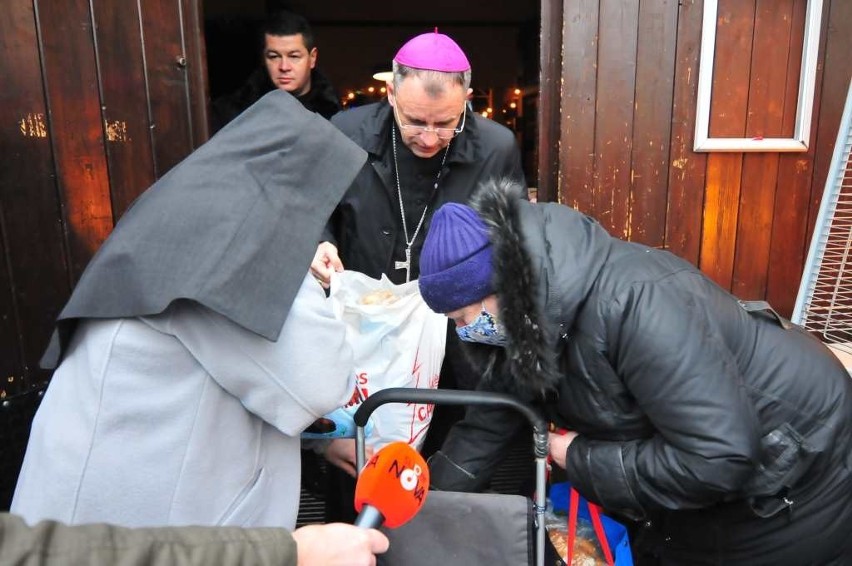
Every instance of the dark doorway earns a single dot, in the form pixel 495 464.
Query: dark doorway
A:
pixel 500 37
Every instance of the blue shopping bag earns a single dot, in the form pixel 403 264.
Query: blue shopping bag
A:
pixel 616 545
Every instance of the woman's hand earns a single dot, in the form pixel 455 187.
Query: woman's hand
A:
pixel 557 446
pixel 341 453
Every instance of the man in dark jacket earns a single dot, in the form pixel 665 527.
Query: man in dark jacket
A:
pixel 290 59
pixel 425 148
pixel 720 428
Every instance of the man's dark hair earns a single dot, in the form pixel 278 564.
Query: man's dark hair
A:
pixel 283 22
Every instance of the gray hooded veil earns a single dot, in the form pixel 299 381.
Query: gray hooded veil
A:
pixel 234 226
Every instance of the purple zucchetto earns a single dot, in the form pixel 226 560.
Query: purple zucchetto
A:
pixel 433 52
pixel 455 264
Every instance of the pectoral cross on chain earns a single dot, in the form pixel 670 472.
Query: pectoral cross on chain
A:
pixel 406 265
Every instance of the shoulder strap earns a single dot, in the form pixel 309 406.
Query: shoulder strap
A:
pixel 595 514
pixel 763 306
pixel 573 507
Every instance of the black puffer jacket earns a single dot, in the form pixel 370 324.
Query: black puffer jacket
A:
pixel 727 435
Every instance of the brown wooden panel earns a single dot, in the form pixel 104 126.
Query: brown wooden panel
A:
pixel 550 89
pixel 687 170
pixel 837 69
pixel 731 68
pixel 618 29
pixel 798 12
pixel 754 228
pixel 789 217
pixel 34 284
pixel 789 231
pixel 769 70
pixel 124 99
pixel 14 22
pixel 766 104
pixel 11 360
pixel 728 112
pixel 579 66
pixel 75 117
pixel 166 67
pixel 657 44
pixel 196 68
pixel 724 172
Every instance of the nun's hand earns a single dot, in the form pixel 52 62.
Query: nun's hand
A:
pixel 326 261
pixel 557 446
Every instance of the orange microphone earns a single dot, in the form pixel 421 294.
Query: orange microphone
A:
pixel 392 487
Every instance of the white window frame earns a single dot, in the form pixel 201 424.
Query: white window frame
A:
pixel 807 83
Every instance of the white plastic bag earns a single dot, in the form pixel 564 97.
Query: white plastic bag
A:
pixel 397 342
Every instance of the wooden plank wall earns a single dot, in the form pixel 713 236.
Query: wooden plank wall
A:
pixel 100 98
pixel 629 91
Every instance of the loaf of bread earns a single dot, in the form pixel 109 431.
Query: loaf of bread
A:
pixel 585 550
pixel 380 297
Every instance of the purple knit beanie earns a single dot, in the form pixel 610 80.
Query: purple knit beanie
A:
pixel 455 264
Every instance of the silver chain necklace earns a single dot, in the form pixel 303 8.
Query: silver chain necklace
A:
pixel 406 265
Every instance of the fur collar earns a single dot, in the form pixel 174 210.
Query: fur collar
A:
pixel 527 365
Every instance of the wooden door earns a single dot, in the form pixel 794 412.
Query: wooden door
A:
pixel 99 99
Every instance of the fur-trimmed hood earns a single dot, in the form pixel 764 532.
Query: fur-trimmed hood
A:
pixel 546 260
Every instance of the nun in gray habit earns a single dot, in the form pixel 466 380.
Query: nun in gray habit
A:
pixel 195 348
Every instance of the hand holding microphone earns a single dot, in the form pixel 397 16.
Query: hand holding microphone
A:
pixel 338 544
pixel 392 487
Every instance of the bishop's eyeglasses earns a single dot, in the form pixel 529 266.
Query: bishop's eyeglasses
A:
pixel 442 133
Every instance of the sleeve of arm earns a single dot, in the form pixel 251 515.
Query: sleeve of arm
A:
pixel 474 448
pixel 54 544
pixel 288 383
pixel 328 231
pixel 331 231
pixel 688 385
